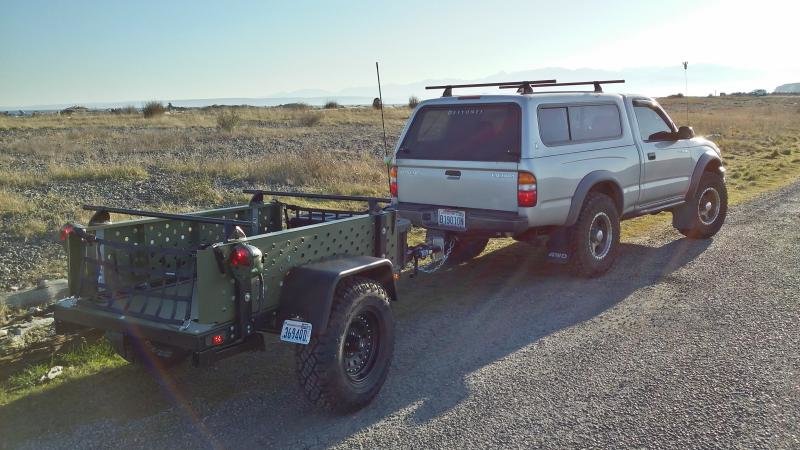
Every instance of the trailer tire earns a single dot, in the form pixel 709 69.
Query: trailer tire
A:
pixel 343 368
pixel 145 353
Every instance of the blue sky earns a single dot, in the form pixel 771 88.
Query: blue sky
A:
pixel 92 51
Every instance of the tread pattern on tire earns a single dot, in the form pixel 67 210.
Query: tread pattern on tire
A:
pixel 594 200
pixel 697 229
pixel 316 360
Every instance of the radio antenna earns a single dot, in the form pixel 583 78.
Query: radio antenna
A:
pixel 383 121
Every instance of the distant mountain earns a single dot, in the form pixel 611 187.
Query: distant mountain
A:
pixel 789 88
pixel 704 79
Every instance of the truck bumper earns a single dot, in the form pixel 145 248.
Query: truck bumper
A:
pixel 477 220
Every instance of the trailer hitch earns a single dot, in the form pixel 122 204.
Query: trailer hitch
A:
pixel 428 250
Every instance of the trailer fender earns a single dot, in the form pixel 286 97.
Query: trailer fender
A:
pixel 307 291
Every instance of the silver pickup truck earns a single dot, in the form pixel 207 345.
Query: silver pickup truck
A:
pixel 554 165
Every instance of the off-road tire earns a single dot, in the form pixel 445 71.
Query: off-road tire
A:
pixel 586 259
pixel 464 248
pixel 145 353
pixel 323 365
pixel 711 187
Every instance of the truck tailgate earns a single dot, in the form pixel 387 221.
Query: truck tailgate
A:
pixel 458 184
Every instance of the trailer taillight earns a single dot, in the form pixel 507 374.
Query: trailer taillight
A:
pixel 526 190
pixel 217 339
pixel 66 230
pixel 393 181
pixel 240 257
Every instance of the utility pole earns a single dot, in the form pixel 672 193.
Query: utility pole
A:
pixel 686 88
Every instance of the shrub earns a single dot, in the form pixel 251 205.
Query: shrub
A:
pixel 228 120
pixel 308 119
pixel 72 110
pixel 331 104
pixel 152 109
pixel 413 101
pixel 376 103
pixel 298 105
pixel 130 109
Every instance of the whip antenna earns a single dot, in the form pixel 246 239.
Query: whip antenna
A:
pixel 383 121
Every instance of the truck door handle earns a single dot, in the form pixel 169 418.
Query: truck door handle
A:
pixel 651 156
pixel 452 173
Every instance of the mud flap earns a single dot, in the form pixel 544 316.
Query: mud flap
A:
pixel 682 217
pixel 558 246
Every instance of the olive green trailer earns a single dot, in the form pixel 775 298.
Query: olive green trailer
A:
pixel 206 285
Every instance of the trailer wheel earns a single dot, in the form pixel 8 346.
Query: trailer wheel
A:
pixel 344 367
pixel 145 353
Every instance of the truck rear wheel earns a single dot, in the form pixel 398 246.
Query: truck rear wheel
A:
pixel 344 367
pixel 705 212
pixel 594 239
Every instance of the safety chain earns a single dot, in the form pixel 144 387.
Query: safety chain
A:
pixel 434 265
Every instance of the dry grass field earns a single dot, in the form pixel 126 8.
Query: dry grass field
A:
pixel 184 160
pixel 50 165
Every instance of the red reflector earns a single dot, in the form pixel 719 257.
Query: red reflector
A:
pixel 526 198
pixel 66 230
pixel 217 339
pixel 240 257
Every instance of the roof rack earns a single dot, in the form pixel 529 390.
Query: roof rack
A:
pixel 597 85
pixel 525 86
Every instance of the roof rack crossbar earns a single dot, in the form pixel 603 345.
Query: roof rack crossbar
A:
pixel 448 88
pixel 596 83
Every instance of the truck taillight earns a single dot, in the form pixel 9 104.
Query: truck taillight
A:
pixel 393 181
pixel 526 190
pixel 240 257
pixel 66 230
pixel 217 339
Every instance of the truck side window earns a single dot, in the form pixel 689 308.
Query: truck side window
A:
pixel 553 125
pixel 594 122
pixel 579 123
pixel 652 125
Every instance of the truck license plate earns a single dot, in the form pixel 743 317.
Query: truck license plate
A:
pixel 452 219
pixel 296 332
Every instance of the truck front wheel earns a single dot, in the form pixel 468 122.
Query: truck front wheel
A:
pixel 594 239
pixel 344 367
pixel 704 214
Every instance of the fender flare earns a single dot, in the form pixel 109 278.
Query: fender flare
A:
pixel 307 292
pixel 705 159
pixel 586 184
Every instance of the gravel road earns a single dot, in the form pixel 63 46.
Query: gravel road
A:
pixel 684 344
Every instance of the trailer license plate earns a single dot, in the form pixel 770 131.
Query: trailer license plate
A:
pixel 452 219
pixel 296 332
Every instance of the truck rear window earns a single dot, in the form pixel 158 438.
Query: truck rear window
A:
pixel 464 133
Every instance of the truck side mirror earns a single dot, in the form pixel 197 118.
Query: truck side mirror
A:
pixel 685 132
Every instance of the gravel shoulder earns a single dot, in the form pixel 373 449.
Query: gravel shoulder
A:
pixel 684 344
